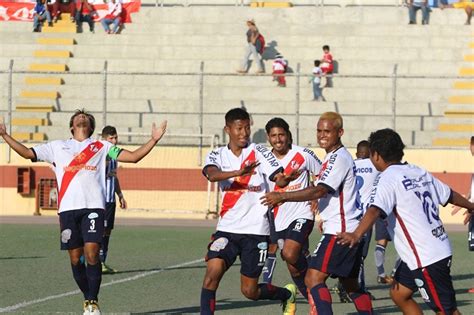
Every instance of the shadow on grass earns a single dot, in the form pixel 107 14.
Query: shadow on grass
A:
pixel 25 257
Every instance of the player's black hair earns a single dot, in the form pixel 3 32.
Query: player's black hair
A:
pixel 236 114
pixel 326 47
pixel 317 63
pixel 363 144
pixel 279 123
pixel 388 144
pixel 109 131
pixel 91 120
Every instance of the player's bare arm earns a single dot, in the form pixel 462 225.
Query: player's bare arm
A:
pixel 310 193
pixel 214 174
pixel 365 224
pixel 19 148
pixel 118 191
pixel 135 156
pixel 460 202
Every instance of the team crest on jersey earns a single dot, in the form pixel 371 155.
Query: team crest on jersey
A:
pixel 66 235
pixel 219 244
pixel 262 245
pixel 93 148
pixel 419 283
pixel 295 165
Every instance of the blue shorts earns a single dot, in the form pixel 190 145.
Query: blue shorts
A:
pixel 109 218
pixel 433 282
pixel 252 250
pixel 337 260
pixel 298 231
pixel 81 226
pixel 381 232
pixel 470 236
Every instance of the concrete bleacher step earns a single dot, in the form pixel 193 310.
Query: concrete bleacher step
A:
pixel 48 67
pixel 64 28
pixel 43 80
pixel 30 122
pixel 451 142
pixel 34 108
pixel 469 58
pixel 29 136
pixel 459 113
pixel 52 95
pixel 456 127
pixel 271 4
pixel 466 71
pixel 464 85
pixel 55 41
pixel 461 99
pixel 52 54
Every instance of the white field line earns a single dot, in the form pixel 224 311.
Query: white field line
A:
pixel 58 296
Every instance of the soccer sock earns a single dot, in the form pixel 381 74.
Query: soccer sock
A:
pixel 362 303
pixel 79 274
pixel 208 301
pixel 380 259
pixel 94 278
pixel 271 292
pixel 362 277
pixel 301 265
pixel 322 299
pixel 104 248
pixel 268 268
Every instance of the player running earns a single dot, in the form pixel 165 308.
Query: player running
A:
pixel 409 197
pixel 242 170
pixel 337 193
pixel 292 222
pixel 79 164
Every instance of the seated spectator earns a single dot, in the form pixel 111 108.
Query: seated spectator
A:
pixel 467 5
pixel 54 8
pixel 415 5
pixel 113 17
pixel 327 65
pixel 58 6
pixel 84 12
pixel 279 67
pixel 40 13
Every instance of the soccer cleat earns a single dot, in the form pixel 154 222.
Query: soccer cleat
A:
pixel 384 280
pixel 93 308
pixel 107 269
pixel 86 308
pixel 289 305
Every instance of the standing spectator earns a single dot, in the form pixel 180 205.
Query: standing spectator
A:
pixel 79 165
pixel 84 12
pixel 255 47
pixel 415 5
pixel 469 218
pixel 41 13
pixel 327 65
pixel 113 17
pixel 316 80
pixel 279 67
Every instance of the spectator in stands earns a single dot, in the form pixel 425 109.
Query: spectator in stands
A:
pixel 40 14
pixel 84 12
pixel 57 7
pixel 316 80
pixel 255 46
pixel 113 17
pixel 53 6
pixel 467 5
pixel 279 67
pixel 415 5
pixel 327 65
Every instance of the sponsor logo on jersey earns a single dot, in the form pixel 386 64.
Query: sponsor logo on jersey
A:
pixel 364 170
pixel 66 235
pixel 268 155
pixel 93 215
pixel 262 245
pixel 412 183
pixel 219 244
pixel 79 167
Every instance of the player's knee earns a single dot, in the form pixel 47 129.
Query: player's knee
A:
pixel 250 292
pixel 210 283
pixel 398 297
pixel 290 256
pixel 92 258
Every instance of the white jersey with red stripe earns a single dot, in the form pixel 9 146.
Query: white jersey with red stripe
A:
pixel 338 210
pixel 410 197
pixel 242 211
pixel 304 160
pixel 366 173
pixel 86 189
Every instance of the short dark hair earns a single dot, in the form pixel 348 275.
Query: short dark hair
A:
pixel 236 114
pixel 91 120
pixel 278 122
pixel 317 63
pixel 109 131
pixel 326 47
pixel 388 144
pixel 363 144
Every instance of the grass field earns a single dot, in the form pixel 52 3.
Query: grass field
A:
pixel 160 271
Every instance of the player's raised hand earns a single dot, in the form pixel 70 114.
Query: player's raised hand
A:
pixel 157 133
pixel 272 199
pixel 248 169
pixel 347 239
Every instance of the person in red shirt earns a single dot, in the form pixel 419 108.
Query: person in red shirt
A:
pixel 84 12
pixel 327 65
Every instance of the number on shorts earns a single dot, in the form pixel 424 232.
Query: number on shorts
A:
pixel 92 227
pixel 263 255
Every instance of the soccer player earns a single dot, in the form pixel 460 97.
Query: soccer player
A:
pixel 112 187
pixel 293 221
pixel 242 170
pixel 337 193
pixel 409 197
pixel 79 164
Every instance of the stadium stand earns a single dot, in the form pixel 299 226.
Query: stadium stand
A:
pixel 366 38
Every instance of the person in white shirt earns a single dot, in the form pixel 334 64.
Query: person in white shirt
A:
pixel 316 81
pixel 409 197
pixel 337 193
pixel 79 164
pixel 243 170
pixel 114 16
